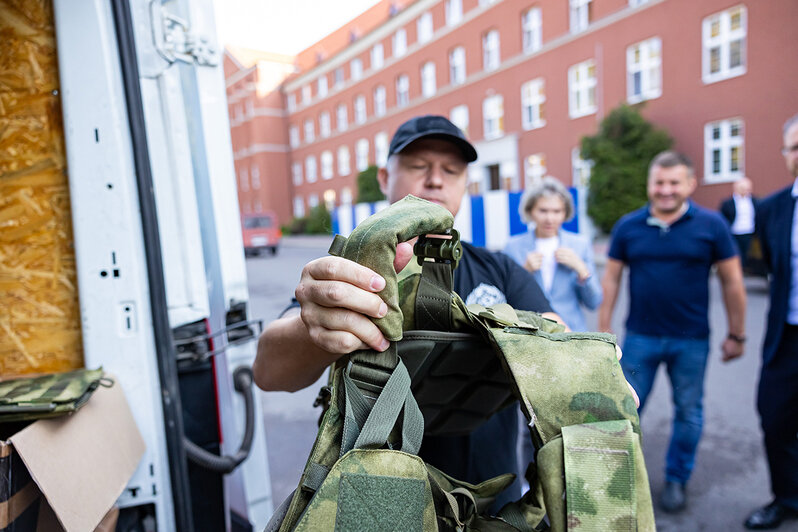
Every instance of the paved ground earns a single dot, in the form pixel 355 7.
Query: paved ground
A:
pixel 730 477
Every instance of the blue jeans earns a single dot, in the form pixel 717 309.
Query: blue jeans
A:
pixel 686 362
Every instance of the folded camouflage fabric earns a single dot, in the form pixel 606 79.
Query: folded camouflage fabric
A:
pixel 363 473
pixel 47 396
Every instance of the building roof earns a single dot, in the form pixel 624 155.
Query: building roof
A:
pixel 248 57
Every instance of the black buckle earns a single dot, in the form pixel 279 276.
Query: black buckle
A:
pixel 441 250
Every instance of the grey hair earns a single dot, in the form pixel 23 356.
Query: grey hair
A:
pixel 548 186
pixel 669 159
pixel 790 122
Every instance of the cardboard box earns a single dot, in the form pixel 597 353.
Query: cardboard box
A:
pixel 71 468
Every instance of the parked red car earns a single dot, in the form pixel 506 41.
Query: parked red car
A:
pixel 260 231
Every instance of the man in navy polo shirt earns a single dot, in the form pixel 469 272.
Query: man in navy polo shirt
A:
pixel 670 245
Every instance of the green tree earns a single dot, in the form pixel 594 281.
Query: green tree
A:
pixel 621 152
pixel 319 221
pixel 368 188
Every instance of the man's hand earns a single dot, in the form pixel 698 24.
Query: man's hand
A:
pixel 337 298
pixel 534 259
pixel 731 349
pixel 567 257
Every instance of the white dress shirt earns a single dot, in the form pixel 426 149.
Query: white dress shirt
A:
pixel 744 216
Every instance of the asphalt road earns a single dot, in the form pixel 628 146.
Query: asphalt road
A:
pixel 730 478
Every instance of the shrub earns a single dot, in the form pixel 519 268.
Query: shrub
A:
pixel 368 188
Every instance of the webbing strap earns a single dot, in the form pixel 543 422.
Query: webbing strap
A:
pixel 600 475
pixel 315 474
pixel 433 309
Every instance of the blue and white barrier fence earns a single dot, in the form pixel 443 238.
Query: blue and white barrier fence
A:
pixel 488 220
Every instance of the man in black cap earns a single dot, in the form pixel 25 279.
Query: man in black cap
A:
pixel 428 157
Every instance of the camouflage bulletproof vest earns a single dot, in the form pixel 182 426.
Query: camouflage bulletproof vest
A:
pixel 459 365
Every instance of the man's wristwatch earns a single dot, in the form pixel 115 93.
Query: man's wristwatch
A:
pixel 738 339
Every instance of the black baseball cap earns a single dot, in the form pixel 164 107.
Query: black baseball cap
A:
pixel 431 126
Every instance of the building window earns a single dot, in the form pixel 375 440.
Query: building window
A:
pixel 459 117
pixel 377 56
pixel 428 83
pixel 299 207
pixel 379 101
pixel 321 86
pixel 346 196
pixel 360 109
pixel 457 66
pixel 580 169
pixel 381 149
pixel 310 131
pixel 310 169
pixel 342 118
pixel 362 155
pixel 724 37
pixel 343 161
pixel 324 124
pixel 533 101
pixel 329 199
pixel 723 151
pixel 356 69
pixel 291 104
pixel 293 136
pixel 338 76
pixel 532 29
pixel 580 15
pixel 313 201
pixel 326 165
pixel 483 3
pixel 454 12
pixel 635 3
pixel 255 172
pixel 493 116
pixel 644 70
pixel 306 94
pixel 424 27
pixel 534 169
pixel 490 50
pixel 399 43
pixel 582 89
pixel 402 90
pixel 296 173
pixel 244 178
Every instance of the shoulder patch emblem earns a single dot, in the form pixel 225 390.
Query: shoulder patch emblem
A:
pixel 486 295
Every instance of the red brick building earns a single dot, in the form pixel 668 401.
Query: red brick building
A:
pixel 526 79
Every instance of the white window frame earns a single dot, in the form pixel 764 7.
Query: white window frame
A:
pixel 310 169
pixel 429 83
pixel 579 15
pixel 325 128
pixel 346 196
pixel 457 66
pixel 454 12
pixel 722 42
pixel 322 88
pixel 344 168
pixel 361 154
pixel 402 90
pixel 296 173
pixel 533 98
pixel 306 94
pixel 313 201
pixel 534 168
pixel 644 62
pixel 493 117
pixel 377 56
pixel 380 101
pixel 360 109
pixel 724 146
pixel 400 43
pixel 293 136
pixel 255 173
pixel 326 159
pixel 381 149
pixel 356 69
pixel 635 3
pixel 458 116
pixel 299 207
pixel 342 117
pixel 582 89
pixel 244 179
pixel 581 169
pixel 532 29
pixel 310 130
pixel 291 102
pixel 491 51
pixel 424 27
pixel 339 77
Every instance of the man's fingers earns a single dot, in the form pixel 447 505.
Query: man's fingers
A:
pixel 634 394
pixel 342 331
pixel 404 252
pixel 336 294
pixel 340 269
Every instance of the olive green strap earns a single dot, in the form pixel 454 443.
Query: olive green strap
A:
pixel 433 309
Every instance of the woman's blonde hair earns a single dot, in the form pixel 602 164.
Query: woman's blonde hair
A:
pixel 548 186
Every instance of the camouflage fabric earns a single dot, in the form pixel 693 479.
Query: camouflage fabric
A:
pixel 589 472
pixel 47 395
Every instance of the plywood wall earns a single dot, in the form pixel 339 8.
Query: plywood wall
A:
pixel 39 313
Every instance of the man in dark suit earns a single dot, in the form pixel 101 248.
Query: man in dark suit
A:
pixel 777 399
pixel 739 211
